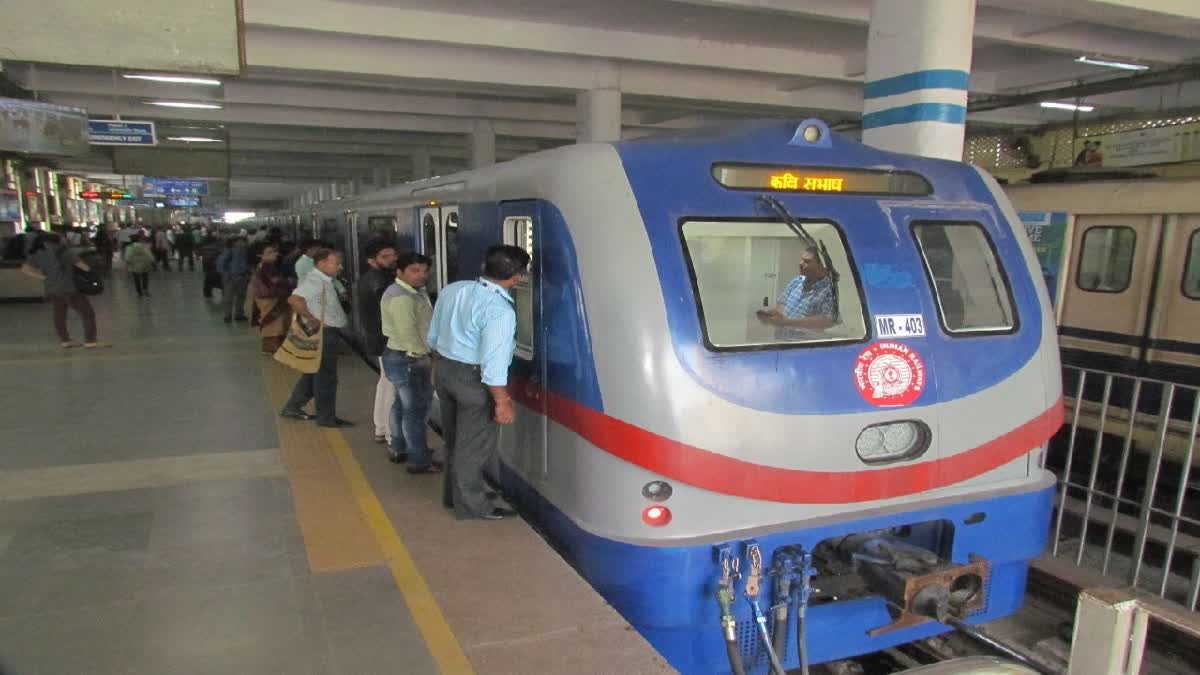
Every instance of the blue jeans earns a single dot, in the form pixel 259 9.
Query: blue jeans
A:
pixel 414 394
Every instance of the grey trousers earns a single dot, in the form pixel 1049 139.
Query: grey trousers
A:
pixel 471 433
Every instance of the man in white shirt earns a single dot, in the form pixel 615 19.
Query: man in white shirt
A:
pixel 314 301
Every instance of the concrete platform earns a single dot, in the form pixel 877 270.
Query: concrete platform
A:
pixel 156 516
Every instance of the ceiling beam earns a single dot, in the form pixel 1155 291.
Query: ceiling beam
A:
pixel 318 51
pixel 314 117
pixel 445 28
pixel 1004 25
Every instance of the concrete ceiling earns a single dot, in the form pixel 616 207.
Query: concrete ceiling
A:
pixel 332 89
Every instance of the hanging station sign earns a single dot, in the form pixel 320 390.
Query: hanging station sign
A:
pixel 121 132
pixel 174 187
pixel 42 129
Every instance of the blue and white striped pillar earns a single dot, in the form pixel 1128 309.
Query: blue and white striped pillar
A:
pixel 918 66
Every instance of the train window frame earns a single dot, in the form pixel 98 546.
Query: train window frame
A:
pixel 373 220
pixel 868 333
pixel 1189 260
pixel 515 235
pixel 1083 249
pixel 1015 314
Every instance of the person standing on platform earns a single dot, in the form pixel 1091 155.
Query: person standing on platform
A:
pixel 210 250
pixel 104 248
pixel 162 248
pixel 234 268
pixel 53 262
pixel 304 264
pixel 185 246
pixel 270 290
pixel 473 330
pixel 381 258
pixel 139 260
pixel 406 313
pixel 315 302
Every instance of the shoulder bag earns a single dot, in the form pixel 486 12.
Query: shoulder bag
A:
pixel 301 349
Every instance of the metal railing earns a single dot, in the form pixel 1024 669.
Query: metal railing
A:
pixel 1126 505
pixel 1109 636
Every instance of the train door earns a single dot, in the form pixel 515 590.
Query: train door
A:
pixel 439 241
pixel 1173 346
pixel 528 452
pixel 1111 281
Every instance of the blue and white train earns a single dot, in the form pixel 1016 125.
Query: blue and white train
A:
pixel 879 477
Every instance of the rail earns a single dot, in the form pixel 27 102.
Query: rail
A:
pixel 1126 504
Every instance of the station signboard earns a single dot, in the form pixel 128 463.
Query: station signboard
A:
pixel 121 132
pixel 173 187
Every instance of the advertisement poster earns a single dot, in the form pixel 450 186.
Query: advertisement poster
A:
pixel 1047 231
pixel 1132 148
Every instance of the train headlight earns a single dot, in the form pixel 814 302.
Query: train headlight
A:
pixel 892 441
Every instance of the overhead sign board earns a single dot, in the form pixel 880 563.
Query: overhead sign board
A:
pixel 1161 145
pixel 42 129
pixel 121 132
pixel 174 187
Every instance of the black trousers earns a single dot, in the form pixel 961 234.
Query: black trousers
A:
pixel 471 433
pixel 321 385
pixel 141 282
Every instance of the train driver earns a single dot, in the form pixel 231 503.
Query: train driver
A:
pixel 806 303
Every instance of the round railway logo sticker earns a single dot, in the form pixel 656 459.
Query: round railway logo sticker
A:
pixel 889 374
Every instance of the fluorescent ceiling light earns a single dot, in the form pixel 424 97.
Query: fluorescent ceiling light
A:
pixel 175 79
pixel 185 104
pixel 194 139
pixel 1111 64
pixel 1067 106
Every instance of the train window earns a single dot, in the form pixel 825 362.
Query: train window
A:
pixel 452 247
pixel 968 282
pixel 762 284
pixel 382 225
pixel 1191 268
pixel 1106 259
pixel 518 231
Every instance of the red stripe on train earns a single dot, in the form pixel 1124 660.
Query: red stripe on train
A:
pixel 727 475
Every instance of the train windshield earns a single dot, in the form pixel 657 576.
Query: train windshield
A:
pixel 760 284
pixel 969 284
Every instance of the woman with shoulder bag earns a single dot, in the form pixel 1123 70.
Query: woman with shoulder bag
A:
pixel 51 260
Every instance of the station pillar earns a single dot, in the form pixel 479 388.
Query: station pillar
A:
pixel 598 116
pixel 483 144
pixel 421 167
pixel 918 67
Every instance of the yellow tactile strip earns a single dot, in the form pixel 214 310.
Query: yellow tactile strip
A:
pixel 336 535
pixel 344 523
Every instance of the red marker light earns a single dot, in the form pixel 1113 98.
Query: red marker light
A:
pixel 656 516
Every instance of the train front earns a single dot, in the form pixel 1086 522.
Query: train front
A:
pixel 834 380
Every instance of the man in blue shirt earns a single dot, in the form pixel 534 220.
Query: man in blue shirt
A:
pixel 806 303
pixel 473 331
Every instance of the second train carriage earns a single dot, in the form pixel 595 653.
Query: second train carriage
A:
pixel 1129 301
pixel 682 454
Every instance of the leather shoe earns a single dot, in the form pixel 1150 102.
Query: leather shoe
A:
pixel 336 422
pixel 499 514
pixel 296 415
pixel 397 457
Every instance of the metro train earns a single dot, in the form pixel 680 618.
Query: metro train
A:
pixel 754 496
pixel 1128 301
